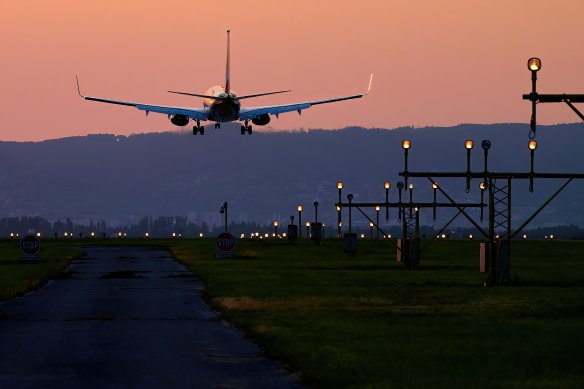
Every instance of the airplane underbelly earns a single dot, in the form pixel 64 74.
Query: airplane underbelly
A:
pixel 224 112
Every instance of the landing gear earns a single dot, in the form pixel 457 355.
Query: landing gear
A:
pixel 217 125
pixel 198 128
pixel 246 128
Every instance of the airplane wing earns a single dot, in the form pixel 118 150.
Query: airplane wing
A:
pixel 193 113
pixel 253 112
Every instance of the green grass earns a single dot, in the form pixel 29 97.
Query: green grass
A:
pixel 366 322
pixel 17 278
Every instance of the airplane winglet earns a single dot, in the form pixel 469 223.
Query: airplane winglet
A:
pixel 78 89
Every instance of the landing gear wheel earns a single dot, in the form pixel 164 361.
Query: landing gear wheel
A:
pixel 202 129
pixel 249 130
pixel 195 130
pixel 217 125
pixel 243 129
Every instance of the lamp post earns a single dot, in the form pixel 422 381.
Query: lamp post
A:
pixel 532 145
pixel 276 228
pixel 339 224
pixel 340 188
pixel 223 210
pixel 400 187
pixel 316 211
pixel 377 209
pixel 299 221
pixel 486 145
pixel 307 230
pixel 434 188
pixel 386 186
pixel 534 65
pixel 482 186
pixel 411 188
pixel 406 145
pixel 371 230
pixel 350 198
pixel 468 145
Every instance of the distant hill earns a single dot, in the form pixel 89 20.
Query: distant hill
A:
pixel 264 176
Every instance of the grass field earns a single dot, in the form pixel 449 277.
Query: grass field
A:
pixel 366 322
pixel 337 321
pixel 17 278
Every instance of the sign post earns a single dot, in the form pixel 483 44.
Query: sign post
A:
pixel 225 245
pixel 30 246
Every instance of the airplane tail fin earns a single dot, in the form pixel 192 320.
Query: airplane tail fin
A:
pixel 227 68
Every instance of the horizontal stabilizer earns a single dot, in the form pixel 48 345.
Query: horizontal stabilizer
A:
pixel 263 94
pixel 197 95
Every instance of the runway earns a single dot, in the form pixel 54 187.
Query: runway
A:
pixel 126 317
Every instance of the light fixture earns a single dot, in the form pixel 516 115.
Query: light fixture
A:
pixel 532 144
pixel 387 184
pixel 468 144
pixel 411 186
pixel 434 185
pixel 534 64
pixel 340 185
pixel 406 144
pixel 299 208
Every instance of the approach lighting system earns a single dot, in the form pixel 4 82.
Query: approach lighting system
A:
pixel 534 64
pixel 532 144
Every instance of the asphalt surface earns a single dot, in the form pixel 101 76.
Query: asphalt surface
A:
pixel 126 317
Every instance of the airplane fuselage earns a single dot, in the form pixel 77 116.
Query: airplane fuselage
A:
pixel 224 110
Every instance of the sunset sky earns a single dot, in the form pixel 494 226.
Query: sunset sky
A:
pixel 435 62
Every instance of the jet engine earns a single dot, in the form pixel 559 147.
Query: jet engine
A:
pixel 261 120
pixel 179 120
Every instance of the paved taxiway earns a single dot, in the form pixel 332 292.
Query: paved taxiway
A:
pixel 126 317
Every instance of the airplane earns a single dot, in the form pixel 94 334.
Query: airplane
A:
pixel 222 104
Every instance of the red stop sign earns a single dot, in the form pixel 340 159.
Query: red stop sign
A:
pixel 225 242
pixel 30 245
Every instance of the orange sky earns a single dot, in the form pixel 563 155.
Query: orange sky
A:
pixel 435 62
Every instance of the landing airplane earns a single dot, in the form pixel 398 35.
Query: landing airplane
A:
pixel 221 104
